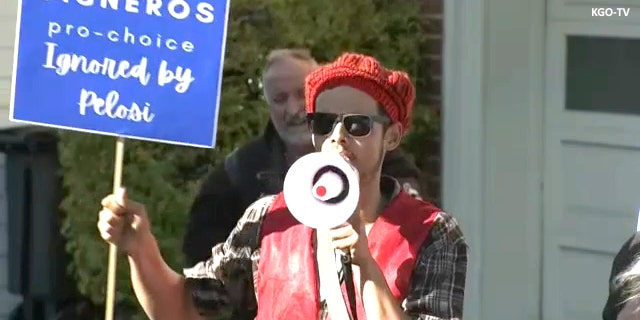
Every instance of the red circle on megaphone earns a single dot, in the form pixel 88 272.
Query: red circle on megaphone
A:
pixel 321 191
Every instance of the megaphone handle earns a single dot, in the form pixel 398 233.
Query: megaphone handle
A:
pixel 348 282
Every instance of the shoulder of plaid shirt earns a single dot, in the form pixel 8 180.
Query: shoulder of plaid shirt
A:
pixel 437 286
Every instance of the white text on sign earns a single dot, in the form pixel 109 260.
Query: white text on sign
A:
pixel 610 12
pixel 120 36
pixel 111 107
pixel 65 63
pixel 177 9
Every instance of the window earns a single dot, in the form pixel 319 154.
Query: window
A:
pixel 603 74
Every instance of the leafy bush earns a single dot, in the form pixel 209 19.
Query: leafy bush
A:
pixel 165 177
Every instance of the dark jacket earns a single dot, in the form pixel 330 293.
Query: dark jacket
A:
pixel 258 168
pixel 622 261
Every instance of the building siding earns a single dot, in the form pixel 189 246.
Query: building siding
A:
pixel 7 35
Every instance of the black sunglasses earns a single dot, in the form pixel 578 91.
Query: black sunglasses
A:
pixel 356 125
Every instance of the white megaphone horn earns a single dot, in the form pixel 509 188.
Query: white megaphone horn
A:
pixel 322 190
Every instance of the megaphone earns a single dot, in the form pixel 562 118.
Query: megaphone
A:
pixel 322 190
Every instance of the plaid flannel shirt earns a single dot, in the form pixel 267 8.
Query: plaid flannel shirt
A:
pixel 227 279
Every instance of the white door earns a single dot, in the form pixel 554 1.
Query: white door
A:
pixel 591 159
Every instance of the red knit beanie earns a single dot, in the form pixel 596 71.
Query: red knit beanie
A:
pixel 392 89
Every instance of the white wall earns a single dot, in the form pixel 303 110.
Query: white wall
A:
pixel 513 170
pixel 7 35
pixel 492 177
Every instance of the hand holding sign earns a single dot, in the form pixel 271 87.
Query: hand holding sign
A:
pixel 322 190
pixel 123 222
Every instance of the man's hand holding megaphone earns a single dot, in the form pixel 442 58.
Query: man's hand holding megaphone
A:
pixel 345 237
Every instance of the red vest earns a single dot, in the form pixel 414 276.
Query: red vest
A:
pixel 287 281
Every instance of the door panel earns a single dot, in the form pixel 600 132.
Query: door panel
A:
pixel 592 161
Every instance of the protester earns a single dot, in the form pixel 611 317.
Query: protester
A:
pixel 409 257
pixel 623 302
pixel 258 168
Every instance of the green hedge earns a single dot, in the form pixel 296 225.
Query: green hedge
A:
pixel 165 177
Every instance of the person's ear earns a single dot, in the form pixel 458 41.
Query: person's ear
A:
pixel 392 136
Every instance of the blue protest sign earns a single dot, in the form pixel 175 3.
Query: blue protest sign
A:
pixel 141 69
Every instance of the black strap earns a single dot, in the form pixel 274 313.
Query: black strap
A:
pixel 348 282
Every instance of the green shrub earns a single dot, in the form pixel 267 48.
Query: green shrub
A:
pixel 165 177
